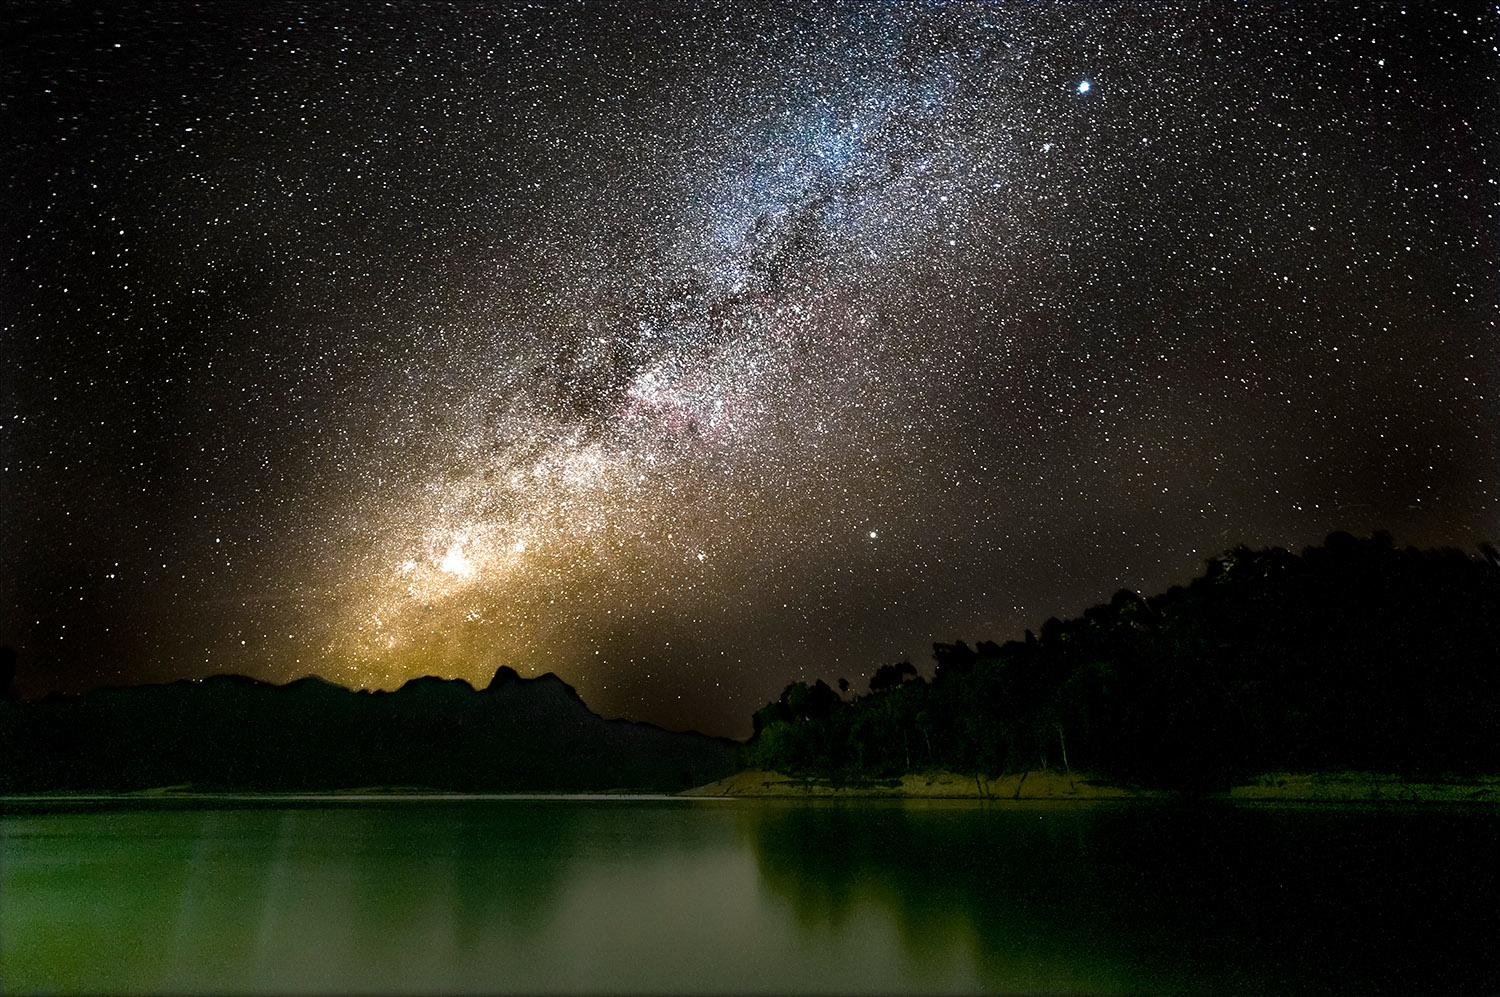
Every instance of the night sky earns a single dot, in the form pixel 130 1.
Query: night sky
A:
pixel 688 350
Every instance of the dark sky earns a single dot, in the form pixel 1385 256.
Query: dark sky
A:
pixel 687 350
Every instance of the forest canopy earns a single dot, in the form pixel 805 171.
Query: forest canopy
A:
pixel 1355 655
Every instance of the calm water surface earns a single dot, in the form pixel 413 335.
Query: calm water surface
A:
pixel 658 895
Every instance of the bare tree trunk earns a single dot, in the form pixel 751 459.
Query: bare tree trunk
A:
pixel 1066 768
pixel 984 787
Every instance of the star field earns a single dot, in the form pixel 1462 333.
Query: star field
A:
pixel 685 350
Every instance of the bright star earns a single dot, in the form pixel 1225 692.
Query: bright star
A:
pixel 1084 86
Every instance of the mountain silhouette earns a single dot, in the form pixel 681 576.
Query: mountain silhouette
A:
pixel 230 732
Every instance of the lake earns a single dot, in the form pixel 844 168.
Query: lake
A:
pixel 655 895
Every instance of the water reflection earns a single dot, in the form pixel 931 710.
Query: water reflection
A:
pixel 1014 887
pixel 745 896
pixel 1159 898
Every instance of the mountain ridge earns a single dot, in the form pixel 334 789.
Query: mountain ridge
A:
pixel 231 731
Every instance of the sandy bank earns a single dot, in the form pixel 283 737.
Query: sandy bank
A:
pixel 1321 787
pixel 1332 787
pixel 929 785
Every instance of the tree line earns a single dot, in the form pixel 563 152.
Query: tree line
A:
pixel 1355 655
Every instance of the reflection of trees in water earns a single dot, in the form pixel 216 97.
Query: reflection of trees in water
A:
pixel 1153 898
pixel 1020 882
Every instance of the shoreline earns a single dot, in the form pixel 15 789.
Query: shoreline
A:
pixel 1032 786
pixel 1370 787
pixel 1276 787
pixel 1036 785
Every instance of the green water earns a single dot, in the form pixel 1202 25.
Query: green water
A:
pixel 659 895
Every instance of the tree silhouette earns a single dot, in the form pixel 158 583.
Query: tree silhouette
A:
pixel 890 676
pixel 1357 654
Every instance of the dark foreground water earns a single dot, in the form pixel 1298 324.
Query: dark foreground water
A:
pixel 650 895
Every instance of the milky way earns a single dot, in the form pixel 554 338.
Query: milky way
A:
pixel 689 350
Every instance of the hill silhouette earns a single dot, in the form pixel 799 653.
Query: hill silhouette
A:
pixel 229 732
